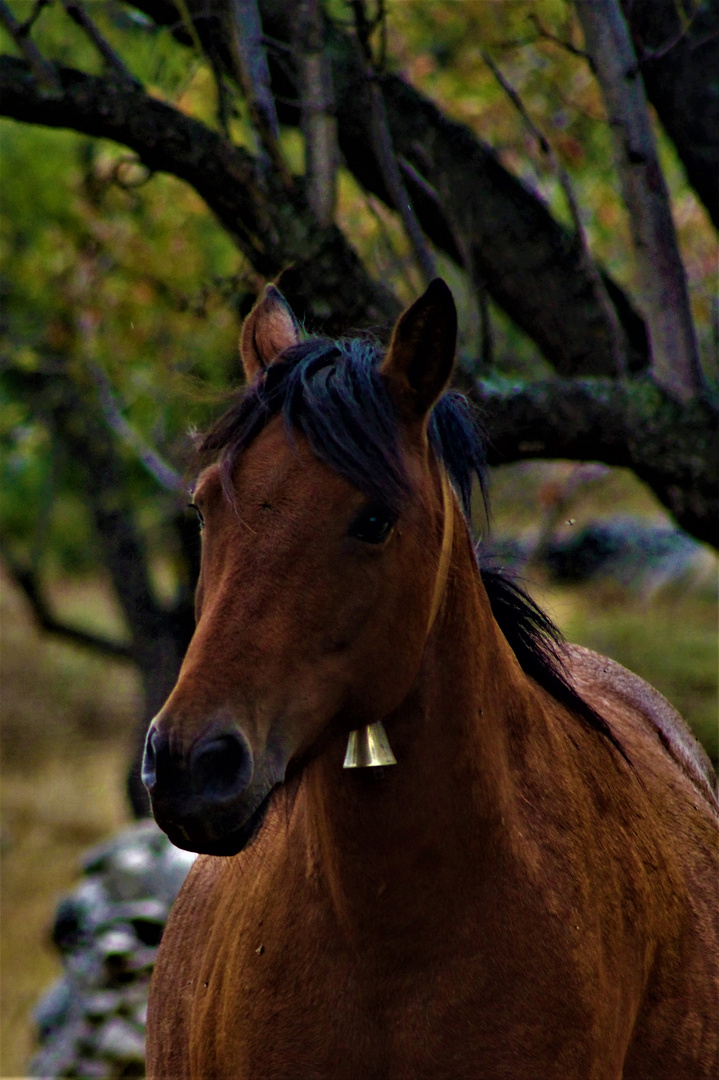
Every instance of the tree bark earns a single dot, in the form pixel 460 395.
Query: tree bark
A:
pixel 675 355
pixel 634 424
pixel 319 125
pixel 679 65
pixel 325 280
pixel 490 224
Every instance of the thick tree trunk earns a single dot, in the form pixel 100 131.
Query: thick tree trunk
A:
pixel 675 355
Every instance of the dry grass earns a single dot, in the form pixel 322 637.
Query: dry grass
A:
pixel 66 718
pixel 669 636
pixel 670 640
pixel 50 815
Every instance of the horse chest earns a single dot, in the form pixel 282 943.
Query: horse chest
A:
pixel 274 988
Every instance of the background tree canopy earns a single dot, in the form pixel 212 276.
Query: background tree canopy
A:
pixel 166 157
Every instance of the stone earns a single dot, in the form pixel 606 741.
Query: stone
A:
pixel 129 873
pixel 91 1067
pixel 120 1040
pixel 60 1056
pixel 119 941
pixel 91 1022
pixel 99 858
pixel 53 1008
pixel 101 1003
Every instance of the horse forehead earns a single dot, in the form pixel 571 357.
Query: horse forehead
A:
pixel 280 457
pixel 276 465
pixel 277 457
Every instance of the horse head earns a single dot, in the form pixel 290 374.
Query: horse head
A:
pixel 323 510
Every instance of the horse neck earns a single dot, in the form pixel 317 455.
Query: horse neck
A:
pixel 408 837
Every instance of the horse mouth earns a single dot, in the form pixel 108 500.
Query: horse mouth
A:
pixel 208 838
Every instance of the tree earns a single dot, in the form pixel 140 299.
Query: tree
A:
pixel 607 377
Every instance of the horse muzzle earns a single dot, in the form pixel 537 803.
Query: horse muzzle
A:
pixel 203 800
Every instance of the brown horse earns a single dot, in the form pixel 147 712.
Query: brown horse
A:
pixel 531 891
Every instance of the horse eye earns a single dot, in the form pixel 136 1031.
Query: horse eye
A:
pixel 192 506
pixel 372 525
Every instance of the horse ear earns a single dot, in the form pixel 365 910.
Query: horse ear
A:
pixel 418 364
pixel 269 329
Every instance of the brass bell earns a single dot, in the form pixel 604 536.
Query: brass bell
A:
pixel 368 747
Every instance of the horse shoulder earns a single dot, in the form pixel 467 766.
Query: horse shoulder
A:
pixel 666 804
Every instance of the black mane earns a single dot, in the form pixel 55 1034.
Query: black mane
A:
pixel 332 392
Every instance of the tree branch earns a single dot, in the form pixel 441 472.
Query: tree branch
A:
pixel 274 229
pixel 678 58
pixel 618 342
pixel 159 635
pixel 681 85
pixel 167 477
pixel 399 196
pixel 37 10
pixel 634 424
pixel 79 16
pixel 164 139
pixel 253 75
pixel 42 69
pixel 619 345
pixel 675 356
pixel 185 30
pixel 546 35
pixel 516 240
pixel 319 125
pixel 516 250
pixel 89 443
pixel 385 154
pixel 523 257
pixel 527 261
pixel 28 583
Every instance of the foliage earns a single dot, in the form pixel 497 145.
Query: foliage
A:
pixel 103 266
pixel 110 266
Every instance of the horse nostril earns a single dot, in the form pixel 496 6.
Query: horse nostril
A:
pixel 220 767
pixel 154 744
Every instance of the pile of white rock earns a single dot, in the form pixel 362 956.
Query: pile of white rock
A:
pixel 91 1022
